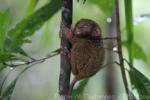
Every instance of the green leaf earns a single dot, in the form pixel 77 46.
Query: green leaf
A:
pixel 31 7
pixel 6 95
pixel 140 82
pixel 105 5
pixel 28 26
pixel 137 51
pixel 9 90
pixel 6 57
pixel 79 91
pixel 4 22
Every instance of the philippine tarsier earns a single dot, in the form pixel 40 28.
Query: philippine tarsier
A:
pixel 87 53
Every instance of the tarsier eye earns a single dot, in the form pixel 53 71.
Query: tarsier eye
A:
pixel 84 26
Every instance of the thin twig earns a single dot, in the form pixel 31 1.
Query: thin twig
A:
pixel 52 54
pixel 110 63
pixel 109 38
pixel 120 50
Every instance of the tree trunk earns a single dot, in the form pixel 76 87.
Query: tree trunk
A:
pixel 65 69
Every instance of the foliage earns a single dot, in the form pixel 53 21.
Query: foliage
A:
pixel 4 19
pixel 12 41
pixel 28 26
pixel 78 93
pixel 140 82
pixel 31 7
pixel 137 50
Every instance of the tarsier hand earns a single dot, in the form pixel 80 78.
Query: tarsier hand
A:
pixel 87 52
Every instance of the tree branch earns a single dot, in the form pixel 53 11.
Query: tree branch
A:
pixel 120 49
pixel 65 69
pixel 50 55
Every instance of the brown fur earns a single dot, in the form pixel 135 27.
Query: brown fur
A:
pixel 85 58
pixel 87 52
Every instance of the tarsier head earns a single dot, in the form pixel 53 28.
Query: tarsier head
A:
pixel 87 27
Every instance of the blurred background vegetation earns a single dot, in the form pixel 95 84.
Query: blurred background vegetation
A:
pixel 41 81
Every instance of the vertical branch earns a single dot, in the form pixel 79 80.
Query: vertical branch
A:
pixel 120 49
pixel 129 28
pixel 64 78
